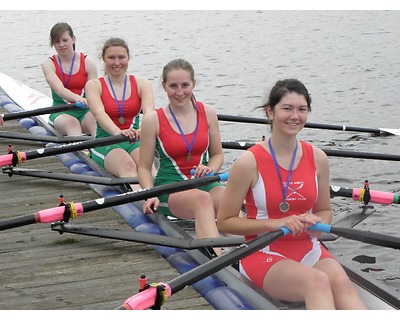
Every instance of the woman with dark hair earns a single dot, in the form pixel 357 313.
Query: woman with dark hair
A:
pixel 67 73
pixel 285 183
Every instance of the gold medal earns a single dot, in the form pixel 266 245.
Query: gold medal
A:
pixel 284 207
pixel 121 120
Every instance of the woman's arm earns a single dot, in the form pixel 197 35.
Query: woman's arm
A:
pixel 145 91
pixel 322 207
pixel 216 154
pixel 57 85
pixel 91 69
pixel 242 176
pixel 147 149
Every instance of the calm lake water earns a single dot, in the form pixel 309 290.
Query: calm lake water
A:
pixel 349 60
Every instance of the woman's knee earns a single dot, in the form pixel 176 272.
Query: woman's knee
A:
pixel 319 281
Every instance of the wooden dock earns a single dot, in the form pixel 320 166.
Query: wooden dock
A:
pixel 43 270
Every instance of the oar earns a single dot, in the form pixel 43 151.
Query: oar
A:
pixel 239 145
pixel 359 194
pixel 43 138
pixel 154 239
pixel 378 239
pixel 377 131
pixel 76 177
pixel 147 298
pixel 72 210
pixel 40 111
pixel 17 157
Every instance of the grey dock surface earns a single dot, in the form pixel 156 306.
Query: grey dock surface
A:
pixel 43 270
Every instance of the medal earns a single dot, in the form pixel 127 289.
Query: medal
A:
pixel 121 120
pixel 284 207
pixel 189 157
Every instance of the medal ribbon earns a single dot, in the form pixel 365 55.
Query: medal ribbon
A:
pixel 70 71
pixel 120 107
pixel 284 190
pixel 189 147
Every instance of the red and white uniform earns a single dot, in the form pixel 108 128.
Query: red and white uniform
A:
pixel 262 202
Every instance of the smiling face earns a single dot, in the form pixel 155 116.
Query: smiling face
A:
pixel 116 59
pixel 290 114
pixel 179 87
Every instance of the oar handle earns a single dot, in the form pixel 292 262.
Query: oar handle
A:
pixel 222 176
pixel 321 227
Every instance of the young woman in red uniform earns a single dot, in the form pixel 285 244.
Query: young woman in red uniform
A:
pixel 285 183
pixel 67 73
pixel 116 101
pixel 185 134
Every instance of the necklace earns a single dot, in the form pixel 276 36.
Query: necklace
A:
pixel 284 205
pixel 70 70
pixel 189 147
pixel 121 119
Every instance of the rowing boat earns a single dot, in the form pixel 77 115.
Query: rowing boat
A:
pixel 226 289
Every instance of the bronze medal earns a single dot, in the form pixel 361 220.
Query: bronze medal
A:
pixel 284 207
pixel 189 157
pixel 121 120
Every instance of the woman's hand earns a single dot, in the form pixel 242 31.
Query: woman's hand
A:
pixel 81 100
pixel 131 133
pixel 298 224
pixel 201 171
pixel 151 205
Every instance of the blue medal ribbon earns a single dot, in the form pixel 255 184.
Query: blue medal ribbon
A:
pixel 284 206
pixel 189 147
pixel 70 71
pixel 121 119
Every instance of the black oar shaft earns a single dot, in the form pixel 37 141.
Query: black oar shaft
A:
pixel 68 176
pixel 238 145
pixel 11 159
pixel 154 239
pixel 214 265
pixel 368 237
pixel 43 138
pixel 307 125
pixel 148 193
pixel 74 146
pixel 58 213
pixel 17 222
pixel 36 112
pixel 341 192
pixel 143 300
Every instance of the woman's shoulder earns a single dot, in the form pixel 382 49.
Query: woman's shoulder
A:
pixel 209 109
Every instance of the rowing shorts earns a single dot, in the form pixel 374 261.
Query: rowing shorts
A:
pixel 77 114
pixel 256 266
pixel 99 154
pixel 163 207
